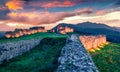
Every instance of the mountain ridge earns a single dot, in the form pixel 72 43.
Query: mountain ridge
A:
pixel 112 33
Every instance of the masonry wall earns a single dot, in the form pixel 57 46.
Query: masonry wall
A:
pixel 12 49
pixel 92 41
pixel 74 57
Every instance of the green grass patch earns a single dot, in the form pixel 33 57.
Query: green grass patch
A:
pixel 108 58
pixel 32 36
pixel 42 58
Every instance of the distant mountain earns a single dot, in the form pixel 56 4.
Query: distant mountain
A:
pixel 117 28
pixel 92 25
pixel 95 25
pixel 113 34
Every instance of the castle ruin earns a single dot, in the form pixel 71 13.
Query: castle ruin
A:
pixel 91 42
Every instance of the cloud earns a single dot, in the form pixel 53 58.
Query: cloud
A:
pixel 3 14
pixel 4 27
pixel 84 10
pixel 52 4
pixel 111 19
pixel 2 7
pixel 15 4
pixel 101 12
pixel 37 17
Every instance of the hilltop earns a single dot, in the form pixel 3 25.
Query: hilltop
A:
pixel 112 33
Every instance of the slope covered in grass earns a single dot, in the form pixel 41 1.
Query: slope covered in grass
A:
pixel 108 58
pixel 32 36
pixel 43 58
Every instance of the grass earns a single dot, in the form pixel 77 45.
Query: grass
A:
pixel 28 37
pixel 108 58
pixel 43 58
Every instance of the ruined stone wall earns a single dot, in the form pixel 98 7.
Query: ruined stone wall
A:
pixel 12 49
pixel 64 29
pixel 92 41
pixel 74 57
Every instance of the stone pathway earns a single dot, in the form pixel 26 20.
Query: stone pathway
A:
pixel 74 58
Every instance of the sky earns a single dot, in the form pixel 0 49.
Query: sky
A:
pixel 49 13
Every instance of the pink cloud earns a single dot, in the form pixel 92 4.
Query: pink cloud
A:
pixel 84 10
pixel 4 27
pixel 101 12
pixel 38 17
pixel 44 17
pixel 52 4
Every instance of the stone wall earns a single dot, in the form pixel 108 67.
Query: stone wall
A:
pixel 92 41
pixel 64 29
pixel 12 49
pixel 74 58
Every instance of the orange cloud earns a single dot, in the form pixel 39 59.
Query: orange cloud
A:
pixel 52 4
pixel 15 4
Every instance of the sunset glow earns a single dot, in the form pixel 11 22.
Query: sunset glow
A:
pixel 27 13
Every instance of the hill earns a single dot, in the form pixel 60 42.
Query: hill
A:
pixel 112 33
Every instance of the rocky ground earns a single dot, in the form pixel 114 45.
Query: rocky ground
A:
pixel 74 58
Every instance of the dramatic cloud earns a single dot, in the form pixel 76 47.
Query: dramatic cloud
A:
pixel 15 4
pixel 45 17
pixel 38 17
pixel 19 13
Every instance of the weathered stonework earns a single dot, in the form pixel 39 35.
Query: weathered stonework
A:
pixel 90 42
pixel 12 49
pixel 64 29
pixel 74 58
